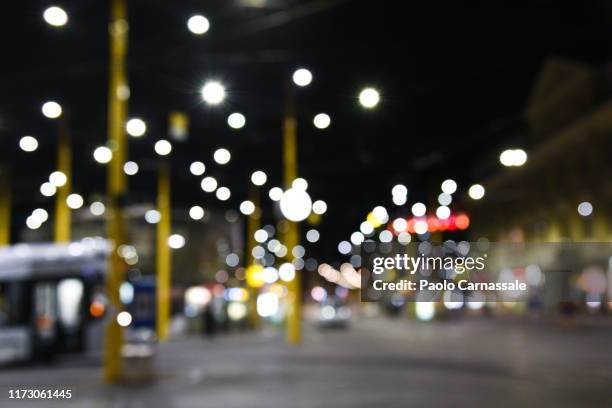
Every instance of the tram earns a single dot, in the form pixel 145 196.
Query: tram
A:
pixel 51 299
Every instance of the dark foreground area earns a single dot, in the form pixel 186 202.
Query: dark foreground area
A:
pixel 378 362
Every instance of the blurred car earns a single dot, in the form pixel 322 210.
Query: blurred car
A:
pixel 334 315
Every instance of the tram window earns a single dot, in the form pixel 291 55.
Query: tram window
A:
pixel 45 309
pixel 13 304
pixel 69 296
pixel 3 306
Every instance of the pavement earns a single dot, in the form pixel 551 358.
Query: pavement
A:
pixel 380 362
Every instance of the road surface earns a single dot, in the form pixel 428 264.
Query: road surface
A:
pixel 377 363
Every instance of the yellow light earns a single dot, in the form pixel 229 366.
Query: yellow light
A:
pixel 254 276
pixel 371 218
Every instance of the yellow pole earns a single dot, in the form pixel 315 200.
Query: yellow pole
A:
pixel 294 312
pixel 62 226
pixel 5 207
pixel 252 226
pixel 163 259
pixel 117 106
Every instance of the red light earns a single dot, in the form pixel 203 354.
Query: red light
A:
pixel 443 225
pixel 462 221
pixel 96 309
pixel 432 224
pixel 411 223
pixel 452 223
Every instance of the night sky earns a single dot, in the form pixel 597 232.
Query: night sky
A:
pixel 454 79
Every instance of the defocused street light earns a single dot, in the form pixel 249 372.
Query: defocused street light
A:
pixel 130 168
pixel 52 110
pixel 198 24
pixel 286 272
pixel 399 189
pixel 300 184
pixel 74 201
pixel 302 77
pixel 247 207
pixel 209 184
pixel 420 227
pixel 124 319
pixel 366 228
pixel 136 127
pixel 400 225
pixel 275 194
pixel 476 192
pixel 97 208
pixel 260 235
pixel 449 186
pixel 443 212
pixel 213 93
pixel 585 208
pixel 385 236
pixel 312 235
pixel 357 238
pixel 55 16
pixel 40 214
pixel 380 214
pixel 344 247
pixel 418 209
pixel 369 98
pixel 47 189
pixel 32 223
pixel 295 204
pixel 322 121
pixel 197 168
pixel 163 147
pixel 399 194
pixel 176 241
pixel 223 193
pixel 404 238
pixel 58 179
pixel 236 120
pixel 28 144
pixel 102 154
pixel 196 212
pixel 259 178
pixel 445 199
pixel 399 199
pixel 319 207
pixel 513 157
pixel 222 156
pixel 152 216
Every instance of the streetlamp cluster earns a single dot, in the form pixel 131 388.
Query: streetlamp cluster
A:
pixel 295 203
pixel 420 224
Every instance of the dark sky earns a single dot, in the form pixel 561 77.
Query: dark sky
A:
pixel 454 78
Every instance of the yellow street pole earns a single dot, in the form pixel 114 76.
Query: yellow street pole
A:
pixel 294 312
pixel 163 258
pixel 62 226
pixel 253 224
pixel 5 207
pixel 117 107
